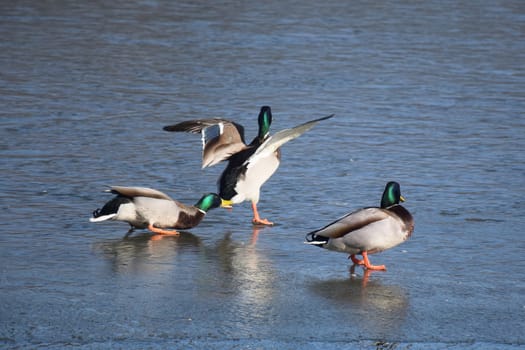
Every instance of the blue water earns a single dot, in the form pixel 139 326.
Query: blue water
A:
pixel 428 94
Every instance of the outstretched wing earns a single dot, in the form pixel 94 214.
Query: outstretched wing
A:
pixel 220 138
pixel 275 141
pixel 138 192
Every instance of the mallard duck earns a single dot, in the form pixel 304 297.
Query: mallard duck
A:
pixel 249 166
pixel 368 230
pixel 144 207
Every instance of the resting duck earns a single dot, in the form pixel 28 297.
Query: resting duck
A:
pixel 143 207
pixel 368 230
pixel 249 166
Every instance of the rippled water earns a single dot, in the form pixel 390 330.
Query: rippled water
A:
pixel 428 94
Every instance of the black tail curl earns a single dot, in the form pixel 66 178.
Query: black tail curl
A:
pixel 312 238
pixel 96 213
pixel 111 207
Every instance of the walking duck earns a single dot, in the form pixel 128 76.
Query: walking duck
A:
pixel 368 230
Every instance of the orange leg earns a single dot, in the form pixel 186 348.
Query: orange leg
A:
pixel 356 260
pixel 161 231
pixel 370 266
pixel 257 219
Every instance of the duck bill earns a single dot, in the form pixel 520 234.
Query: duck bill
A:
pixel 226 203
pixel 401 198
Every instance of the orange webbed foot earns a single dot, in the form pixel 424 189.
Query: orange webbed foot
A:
pixel 259 221
pixel 376 267
pixel 162 231
pixel 370 266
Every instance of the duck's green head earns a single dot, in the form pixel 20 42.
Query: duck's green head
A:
pixel 391 195
pixel 208 201
pixel 265 120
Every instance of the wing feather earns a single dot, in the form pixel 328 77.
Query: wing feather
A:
pixel 139 192
pixel 197 126
pixel 274 142
pixel 352 221
pixel 220 138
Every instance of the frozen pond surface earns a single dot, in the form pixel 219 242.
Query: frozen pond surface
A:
pixel 428 94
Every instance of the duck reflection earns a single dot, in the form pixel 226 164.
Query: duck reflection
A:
pixel 250 272
pixel 230 278
pixel 145 253
pixel 375 306
pixel 249 278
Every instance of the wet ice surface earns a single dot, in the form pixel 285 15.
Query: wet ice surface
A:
pixel 430 98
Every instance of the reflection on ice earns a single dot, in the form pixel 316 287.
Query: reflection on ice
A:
pixel 233 283
pixel 230 282
pixel 250 277
pixel 145 253
pixel 375 306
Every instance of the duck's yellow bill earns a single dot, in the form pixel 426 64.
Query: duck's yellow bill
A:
pixel 226 203
pixel 401 198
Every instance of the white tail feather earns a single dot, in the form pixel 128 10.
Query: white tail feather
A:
pixel 103 218
pixel 316 242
